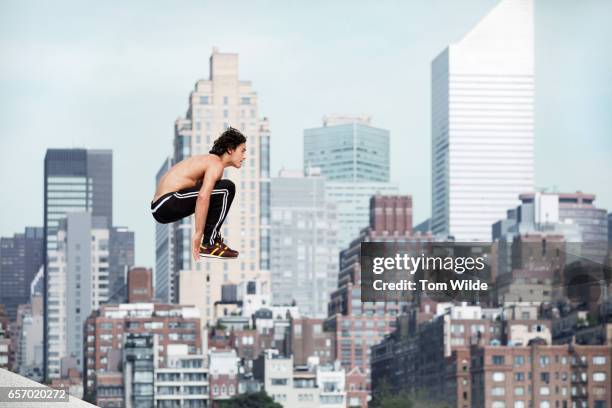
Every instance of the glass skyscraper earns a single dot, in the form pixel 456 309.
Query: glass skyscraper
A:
pixel 21 256
pixel 353 156
pixel 348 149
pixel 75 180
pixel 164 250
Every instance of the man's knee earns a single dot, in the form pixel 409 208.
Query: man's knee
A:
pixel 225 184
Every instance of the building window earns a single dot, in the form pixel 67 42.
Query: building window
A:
pixel 204 100
pixel 599 360
pixel 498 360
pixel 519 360
pixel 225 100
pixel 599 376
pixel 456 328
pixel 498 376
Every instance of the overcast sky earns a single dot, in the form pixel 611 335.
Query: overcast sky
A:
pixel 117 74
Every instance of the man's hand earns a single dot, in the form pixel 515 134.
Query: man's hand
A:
pixel 196 239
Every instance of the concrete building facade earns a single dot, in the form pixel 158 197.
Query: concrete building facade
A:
pixel 304 245
pixel 309 386
pixel 83 260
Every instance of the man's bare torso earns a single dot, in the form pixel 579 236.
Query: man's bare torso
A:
pixel 186 173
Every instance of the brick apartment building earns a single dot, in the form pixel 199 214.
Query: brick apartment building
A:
pixel 355 325
pixel 140 285
pixel 106 328
pixel 491 362
pixel 307 339
pixel 540 375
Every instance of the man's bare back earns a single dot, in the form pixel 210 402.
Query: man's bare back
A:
pixel 186 173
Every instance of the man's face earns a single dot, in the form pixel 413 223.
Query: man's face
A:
pixel 238 155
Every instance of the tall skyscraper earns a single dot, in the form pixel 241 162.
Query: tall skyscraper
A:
pixel 348 148
pixel 216 103
pixel 164 250
pixel 354 158
pixel 120 260
pixel 75 180
pixel 21 256
pixel 304 247
pixel 482 123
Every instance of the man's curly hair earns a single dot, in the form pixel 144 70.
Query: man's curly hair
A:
pixel 230 139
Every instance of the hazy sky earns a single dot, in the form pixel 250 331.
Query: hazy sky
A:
pixel 117 74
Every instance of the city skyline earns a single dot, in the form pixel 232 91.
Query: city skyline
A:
pixel 49 74
pixel 307 316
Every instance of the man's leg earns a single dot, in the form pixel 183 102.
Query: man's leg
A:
pixel 220 201
pixel 172 207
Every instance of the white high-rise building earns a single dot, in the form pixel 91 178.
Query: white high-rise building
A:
pixel 216 103
pixel 304 247
pixel 83 259
pixel 483 123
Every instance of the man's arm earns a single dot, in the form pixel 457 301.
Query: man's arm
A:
pixel 212 174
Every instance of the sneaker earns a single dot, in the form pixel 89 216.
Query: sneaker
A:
pixel 217 251
pixel 220 241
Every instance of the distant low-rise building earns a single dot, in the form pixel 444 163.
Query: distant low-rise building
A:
pixel 308 339
pixel 182 381
pixel 310 386
pixel 223 374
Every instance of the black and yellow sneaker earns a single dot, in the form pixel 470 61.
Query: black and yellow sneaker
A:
pixel 217 251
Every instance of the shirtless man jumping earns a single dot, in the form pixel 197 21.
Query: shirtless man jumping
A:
pixel 194 185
